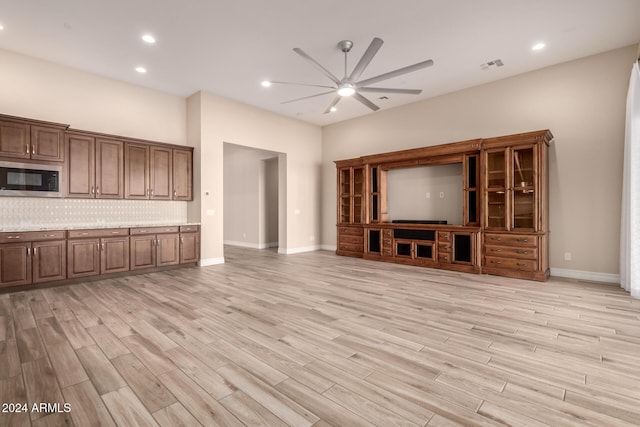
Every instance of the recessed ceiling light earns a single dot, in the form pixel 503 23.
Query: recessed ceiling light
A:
pixel 141 70
pixel 266 83
pixel 148 38
pixel 538 46
pixel 1 27
pixel 333 109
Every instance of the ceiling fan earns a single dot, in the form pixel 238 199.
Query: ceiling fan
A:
pixel 349 85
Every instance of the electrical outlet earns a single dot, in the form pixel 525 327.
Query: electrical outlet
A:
pixel 428 195
pixel 567 256
pixel 442 194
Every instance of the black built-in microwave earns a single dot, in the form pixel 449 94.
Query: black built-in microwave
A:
pixel 26 179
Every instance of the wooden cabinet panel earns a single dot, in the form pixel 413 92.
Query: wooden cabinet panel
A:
pixel 189 247
pixel 15 140
pixel 47 143
pixel 109 169
pixel 168 249
pixel 142 252
pixel 49 261
pixel 182 175
pixel 136 171
pixel 15 264
pixel 114 254
pixel 83 257
pixel 160 173
pixel 80 166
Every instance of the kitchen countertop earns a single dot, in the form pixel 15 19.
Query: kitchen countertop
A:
pixel 21 228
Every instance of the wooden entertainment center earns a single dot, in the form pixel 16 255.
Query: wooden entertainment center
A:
pixel 504 229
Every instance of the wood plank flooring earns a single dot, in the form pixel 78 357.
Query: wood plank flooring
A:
pixel 314 340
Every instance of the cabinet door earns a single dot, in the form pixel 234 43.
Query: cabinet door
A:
pixel 83 258
pixel 114 254
pixel 49 261
pixel 47 144
pixel 496 206
pixel 142 252
pixel 168 249
pixel 160 166
pixel 189 248
pixel 81 166
pixel 524 189
pixel 15 264
pixel 136 171
pixel 182 175
pixel 109 169
pixel 15 140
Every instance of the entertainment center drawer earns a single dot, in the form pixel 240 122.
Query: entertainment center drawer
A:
pixel 444 258
pixel 511 252
pixel 351 247
pixel 511 239
pixel 444 247
pixel 31 236
pixel 352 239
pixel 511 263
pixel 353 231
pixel 444 236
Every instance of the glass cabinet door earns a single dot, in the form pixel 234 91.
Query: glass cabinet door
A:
pixel 496 170
pixel 345 181
pixel 523 185
pixel 345 210
pixel 496 209
pixel 358 181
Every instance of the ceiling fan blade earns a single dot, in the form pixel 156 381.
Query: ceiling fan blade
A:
pixel 389 90
pixel 396 73
pixel 307 97
pixel 366 102
pixel 302 84
pixel 333 104
pixel 317 65
pixel 371 51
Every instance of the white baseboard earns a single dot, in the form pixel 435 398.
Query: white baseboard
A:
pixel 332 248
pixel 591 276
pixel 210 261
pixel 298 250
pixel 251 244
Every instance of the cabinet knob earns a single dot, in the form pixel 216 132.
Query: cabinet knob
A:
pixel 13 237
pixel 522 240
pixel 98 190
pixel 175 194
pixel 35 251
pixel 523 252
pixel 28 148
pixel 28 251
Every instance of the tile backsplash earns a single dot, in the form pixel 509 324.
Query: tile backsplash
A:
pixel 32 212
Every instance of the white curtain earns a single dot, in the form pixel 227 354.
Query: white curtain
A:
pixel 630 227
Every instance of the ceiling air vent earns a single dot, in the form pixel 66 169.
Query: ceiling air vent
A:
pixel 492 64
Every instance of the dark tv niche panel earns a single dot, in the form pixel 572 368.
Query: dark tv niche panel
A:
pixel 400 233
pixel 419 221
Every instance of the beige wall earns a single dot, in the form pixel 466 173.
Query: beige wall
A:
pixel 223 120
pixel 582 102
pixel 245 197
pixel 43 90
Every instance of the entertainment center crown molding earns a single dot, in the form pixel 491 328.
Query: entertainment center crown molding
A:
pixel 505 210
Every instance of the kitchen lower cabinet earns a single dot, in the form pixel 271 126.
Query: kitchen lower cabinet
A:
pixel 32 257
pixel 189 244
pixel 99 251
pixel 154 247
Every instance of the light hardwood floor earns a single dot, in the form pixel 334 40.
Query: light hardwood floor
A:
pixel 316 339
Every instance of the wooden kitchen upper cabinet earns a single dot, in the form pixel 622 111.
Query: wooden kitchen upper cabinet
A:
pixel 81 166
pixel 160 173
pixel 182 174
pixel 47 143
pixel 15 140
pixel 28 139
pixel 109 169
pixel 136 171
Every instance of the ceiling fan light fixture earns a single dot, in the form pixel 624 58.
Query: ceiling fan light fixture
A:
pixel 346 89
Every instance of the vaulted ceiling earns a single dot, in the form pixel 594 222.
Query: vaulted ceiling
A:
pixel 229 47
